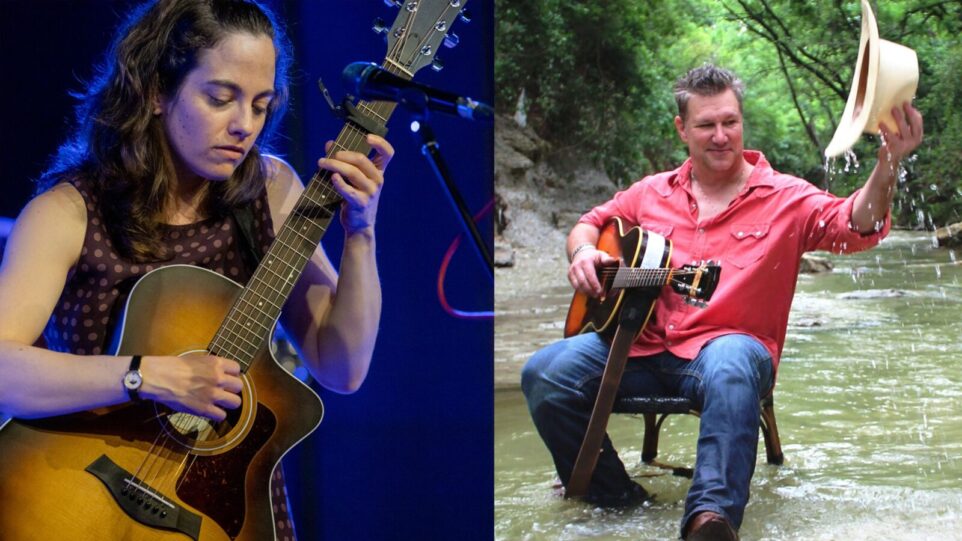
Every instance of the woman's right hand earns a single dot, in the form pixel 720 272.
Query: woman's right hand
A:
pixel 202 385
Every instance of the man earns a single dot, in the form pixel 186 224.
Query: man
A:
pixel 725 204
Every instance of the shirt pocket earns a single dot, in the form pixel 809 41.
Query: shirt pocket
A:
pixel 748 243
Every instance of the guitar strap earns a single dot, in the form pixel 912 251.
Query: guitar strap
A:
pixel 244 219
pixel 632 319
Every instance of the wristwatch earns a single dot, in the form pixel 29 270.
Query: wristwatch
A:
pixel 133 379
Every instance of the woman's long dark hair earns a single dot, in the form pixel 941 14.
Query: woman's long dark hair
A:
pixel 118 145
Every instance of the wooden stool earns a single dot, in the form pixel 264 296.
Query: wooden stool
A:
pixel 655 409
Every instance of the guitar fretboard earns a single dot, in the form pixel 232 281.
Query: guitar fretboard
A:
pixel 626 277
pixel 248 325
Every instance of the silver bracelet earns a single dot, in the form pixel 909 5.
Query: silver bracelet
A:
pixel 579 248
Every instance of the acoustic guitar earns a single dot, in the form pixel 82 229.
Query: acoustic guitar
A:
pixel 144 472
pixel 643 270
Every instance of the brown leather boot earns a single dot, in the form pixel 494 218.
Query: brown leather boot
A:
pixel 710 526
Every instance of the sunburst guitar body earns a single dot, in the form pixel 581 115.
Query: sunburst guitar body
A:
pixel 141 471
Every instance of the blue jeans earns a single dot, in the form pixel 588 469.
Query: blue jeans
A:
pixel 725 381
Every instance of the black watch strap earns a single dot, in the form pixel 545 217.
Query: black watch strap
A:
pixel 133 379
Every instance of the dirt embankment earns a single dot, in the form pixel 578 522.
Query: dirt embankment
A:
pixel 541 193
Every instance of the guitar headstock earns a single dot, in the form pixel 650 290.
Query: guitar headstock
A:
pixel 418 31
pixel 696 282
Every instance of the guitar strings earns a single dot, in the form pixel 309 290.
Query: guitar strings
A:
pixel 157 464
pixel 641 277
pixel 636 270
pixel 138 479
pixel 181 473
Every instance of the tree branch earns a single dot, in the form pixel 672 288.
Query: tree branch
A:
pixel 809 129
pixel 770 35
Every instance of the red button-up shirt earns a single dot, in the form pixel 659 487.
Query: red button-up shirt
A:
pixel 758 240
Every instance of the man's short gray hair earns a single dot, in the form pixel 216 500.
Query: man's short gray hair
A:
pixel 706 80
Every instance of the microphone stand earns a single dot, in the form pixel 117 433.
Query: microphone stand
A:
pixel 416 102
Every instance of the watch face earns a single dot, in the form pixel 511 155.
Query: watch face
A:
pixel 132 380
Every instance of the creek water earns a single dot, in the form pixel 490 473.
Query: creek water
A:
pixel 868 405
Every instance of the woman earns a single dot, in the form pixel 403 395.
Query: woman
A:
pixel 168 145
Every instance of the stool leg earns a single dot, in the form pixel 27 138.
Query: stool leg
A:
pixel 773 445
pixel 649 448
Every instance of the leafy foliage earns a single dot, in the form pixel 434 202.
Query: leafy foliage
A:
pixel 596 81
pixel 591 76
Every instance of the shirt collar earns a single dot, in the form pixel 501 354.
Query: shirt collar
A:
pixel 762 176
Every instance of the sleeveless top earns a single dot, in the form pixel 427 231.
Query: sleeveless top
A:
pixel 97 286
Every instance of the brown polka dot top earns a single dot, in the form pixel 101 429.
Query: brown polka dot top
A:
pixel 93 296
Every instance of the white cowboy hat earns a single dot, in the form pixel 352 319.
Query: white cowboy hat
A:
pixel 886 75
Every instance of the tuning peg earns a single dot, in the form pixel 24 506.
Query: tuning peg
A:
pixel 379 26
pixel 437 64
pixel 451 41
pixel 465 15
pixel 695 302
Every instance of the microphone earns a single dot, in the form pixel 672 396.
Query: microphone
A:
pixel 369 81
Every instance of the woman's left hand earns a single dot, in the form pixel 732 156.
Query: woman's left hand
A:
pixel 358 179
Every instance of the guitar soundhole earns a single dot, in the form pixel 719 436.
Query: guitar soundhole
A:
pixel 204 436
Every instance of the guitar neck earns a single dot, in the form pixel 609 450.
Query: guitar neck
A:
pixel 412 41
pixel 627 277
pixel 248 325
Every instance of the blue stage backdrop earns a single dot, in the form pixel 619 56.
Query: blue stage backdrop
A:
pixel 409 456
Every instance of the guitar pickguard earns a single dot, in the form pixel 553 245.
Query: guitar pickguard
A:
pixel 205 485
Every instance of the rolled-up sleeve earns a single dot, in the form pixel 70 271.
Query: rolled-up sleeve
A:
pixel 829 225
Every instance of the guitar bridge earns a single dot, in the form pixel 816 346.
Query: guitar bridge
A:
pixel 141 502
